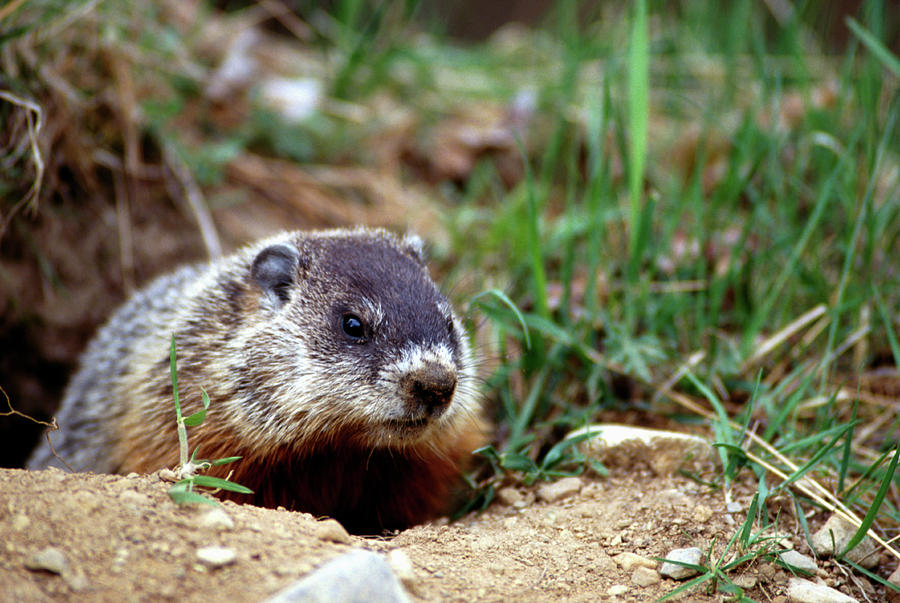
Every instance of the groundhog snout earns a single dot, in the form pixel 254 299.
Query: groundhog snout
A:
pixel 429 389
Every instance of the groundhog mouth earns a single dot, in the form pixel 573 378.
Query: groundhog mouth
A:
pixel 408 426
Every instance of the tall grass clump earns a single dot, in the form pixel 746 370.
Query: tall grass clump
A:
pixel 716 210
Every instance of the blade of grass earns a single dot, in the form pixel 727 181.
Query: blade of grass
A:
pixel 509 304
pixel 182 433
pixel 638 118
pixel 887 58
pixel 208 481
pixel 872 513
pixel 888 326
pixel 538 275
pixel 851 247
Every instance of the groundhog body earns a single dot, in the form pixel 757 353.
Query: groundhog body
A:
pixel 334 366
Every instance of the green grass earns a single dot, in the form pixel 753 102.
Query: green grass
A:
pixel 782 208
pixel 191 484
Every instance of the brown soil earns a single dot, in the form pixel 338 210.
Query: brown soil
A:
pixel 125 540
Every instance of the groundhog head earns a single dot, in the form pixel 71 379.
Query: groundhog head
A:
pixel 371 350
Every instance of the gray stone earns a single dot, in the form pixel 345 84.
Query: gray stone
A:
pixel 800 562
pixel 691 555
pixel 836 533
pixel 804 591
pixel 356 577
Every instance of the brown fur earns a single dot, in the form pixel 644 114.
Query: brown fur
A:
pixel 396 488
pixel 372 430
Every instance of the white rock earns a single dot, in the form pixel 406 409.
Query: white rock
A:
pixel 563 488
pixel 691 555
pixel 355 577
pixel 616 590
pixel 50 559
pixel 663 451
pixel 216 556
pixel 799 561
pixel 804 591
pixel 836 533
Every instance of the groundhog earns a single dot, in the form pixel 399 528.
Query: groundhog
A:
pixel 334 366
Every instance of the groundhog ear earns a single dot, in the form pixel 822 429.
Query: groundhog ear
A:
pixel 275 270
pixel 415 247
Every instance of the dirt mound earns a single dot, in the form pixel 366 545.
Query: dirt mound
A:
pixel 121 537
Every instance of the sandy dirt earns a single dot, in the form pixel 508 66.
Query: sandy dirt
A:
pixel 123 539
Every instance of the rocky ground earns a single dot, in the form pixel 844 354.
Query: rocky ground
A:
pixel 85 537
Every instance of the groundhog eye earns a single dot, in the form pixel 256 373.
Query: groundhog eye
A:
pixel 352 326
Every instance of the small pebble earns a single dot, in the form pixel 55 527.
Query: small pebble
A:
pixel 215 518
pixel 167 475
pixel 510 497
pixel 50 559
pixel 644 576
pixel 216 556
pixel 629 561
pixel 20 522
pixel 616 589
pixel 800 562
pixel 567 486
pixel 331 529
pixel 744 581
pixel 691 555
pixel 702 514
pixel 733 507
pixel 804 591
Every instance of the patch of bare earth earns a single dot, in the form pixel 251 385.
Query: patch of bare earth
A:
pixel 123 539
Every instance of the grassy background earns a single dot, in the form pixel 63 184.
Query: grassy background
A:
pixel 691 216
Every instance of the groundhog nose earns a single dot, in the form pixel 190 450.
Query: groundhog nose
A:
pixel 431 388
